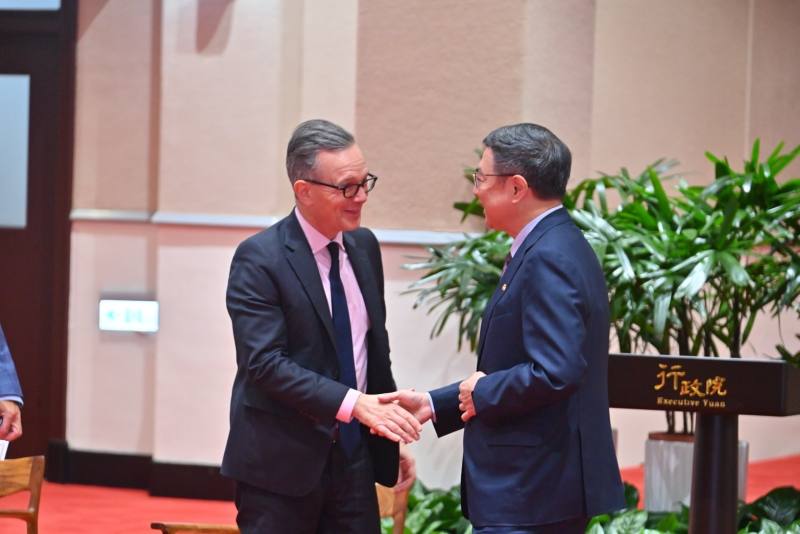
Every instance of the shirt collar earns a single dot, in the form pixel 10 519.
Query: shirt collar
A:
pixel 316 240
pixel 528 228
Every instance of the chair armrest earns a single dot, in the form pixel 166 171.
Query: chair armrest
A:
pixel 193 528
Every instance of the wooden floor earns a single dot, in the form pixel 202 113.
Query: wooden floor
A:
pixel 73 509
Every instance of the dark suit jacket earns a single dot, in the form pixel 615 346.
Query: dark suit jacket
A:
pixel 9 383
pixel 285 394
pixel 539 449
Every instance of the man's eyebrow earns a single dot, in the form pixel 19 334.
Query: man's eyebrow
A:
pixel 356 176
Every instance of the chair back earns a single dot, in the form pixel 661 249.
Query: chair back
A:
pixel 192 528
pixel 393 504
pixel 23 474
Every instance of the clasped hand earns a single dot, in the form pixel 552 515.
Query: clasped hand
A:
pixel 418 404
pixel 465 389
pixel 389 420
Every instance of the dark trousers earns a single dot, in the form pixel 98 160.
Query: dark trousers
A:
pixel 344 501
pixel 570 526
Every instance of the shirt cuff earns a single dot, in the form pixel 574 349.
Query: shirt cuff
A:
pixel 433 409
pixel 345 413
pixel 14 398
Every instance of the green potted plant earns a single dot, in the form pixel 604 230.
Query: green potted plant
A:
pixel 690 272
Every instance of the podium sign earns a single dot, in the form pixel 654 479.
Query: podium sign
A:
pixel 718 389
pixel 702 384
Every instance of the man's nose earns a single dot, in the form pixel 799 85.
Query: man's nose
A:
pixel 361 194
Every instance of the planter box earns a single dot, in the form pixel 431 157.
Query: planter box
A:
pixel 668 471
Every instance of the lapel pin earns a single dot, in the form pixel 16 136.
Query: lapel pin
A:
pixel 503 288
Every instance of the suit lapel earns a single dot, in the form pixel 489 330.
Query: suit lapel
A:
pixel 302 261
pixel 487 315
pixel 366 281
pixel 556 218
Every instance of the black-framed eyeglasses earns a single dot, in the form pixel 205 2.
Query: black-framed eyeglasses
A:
pixel 351 190
pixel 478 177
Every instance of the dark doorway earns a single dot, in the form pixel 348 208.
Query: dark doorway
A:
pixel 39 46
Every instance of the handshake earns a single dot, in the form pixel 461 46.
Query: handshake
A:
pixel 399 415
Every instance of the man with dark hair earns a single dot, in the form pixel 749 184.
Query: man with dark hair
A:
pixel 538 453
pixel 10 394
pixel 309 437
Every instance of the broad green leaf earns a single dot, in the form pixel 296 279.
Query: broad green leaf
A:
pixel 730 212
pixel 692 284
pixel 770 527
pixel 781 505
pixel 737 274
pixel 664 209
pixel 630 522
pixel 781 163
pixel 778 150
pixel 624 261
pixel 661 310
pixel 631 495
pixel 669 523
pixel 755 153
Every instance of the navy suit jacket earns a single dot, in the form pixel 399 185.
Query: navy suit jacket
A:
pixel 9 383
pixel 286 394
pixel 539 449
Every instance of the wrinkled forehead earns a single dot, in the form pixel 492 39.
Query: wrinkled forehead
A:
pixel 340 166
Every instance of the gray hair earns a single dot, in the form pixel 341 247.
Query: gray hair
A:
pixel 308 139
pixel 534 152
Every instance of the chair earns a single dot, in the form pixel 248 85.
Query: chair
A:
pixel 390 504
pixel 193 528
pixel 393 504
pixel 23 474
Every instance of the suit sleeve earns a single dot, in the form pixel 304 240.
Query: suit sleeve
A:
pixel 445 404
pixel 9 383
pixel 553 333
pixel 260 333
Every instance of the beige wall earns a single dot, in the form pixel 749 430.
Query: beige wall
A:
pixel 184 109
pixel 222 72
pixel 670 80
pixel 116 120
pixel 429 88
pixel 774 106
pixel 110 375
pixel 558 74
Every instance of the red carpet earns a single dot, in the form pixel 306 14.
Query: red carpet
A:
pixel 762 476
pixel 73 509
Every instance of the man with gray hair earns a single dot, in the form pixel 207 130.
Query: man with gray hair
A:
pixel 308 436
pixel 538 455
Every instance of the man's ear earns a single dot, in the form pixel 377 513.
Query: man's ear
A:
pixel 519 187
pixel 302 191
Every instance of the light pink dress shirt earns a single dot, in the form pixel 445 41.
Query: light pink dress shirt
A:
pixel 359 320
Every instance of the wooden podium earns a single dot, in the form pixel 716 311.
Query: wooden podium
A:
pixel 718 389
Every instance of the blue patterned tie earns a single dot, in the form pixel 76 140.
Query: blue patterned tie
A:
pixel 506 262
pixel 349 433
